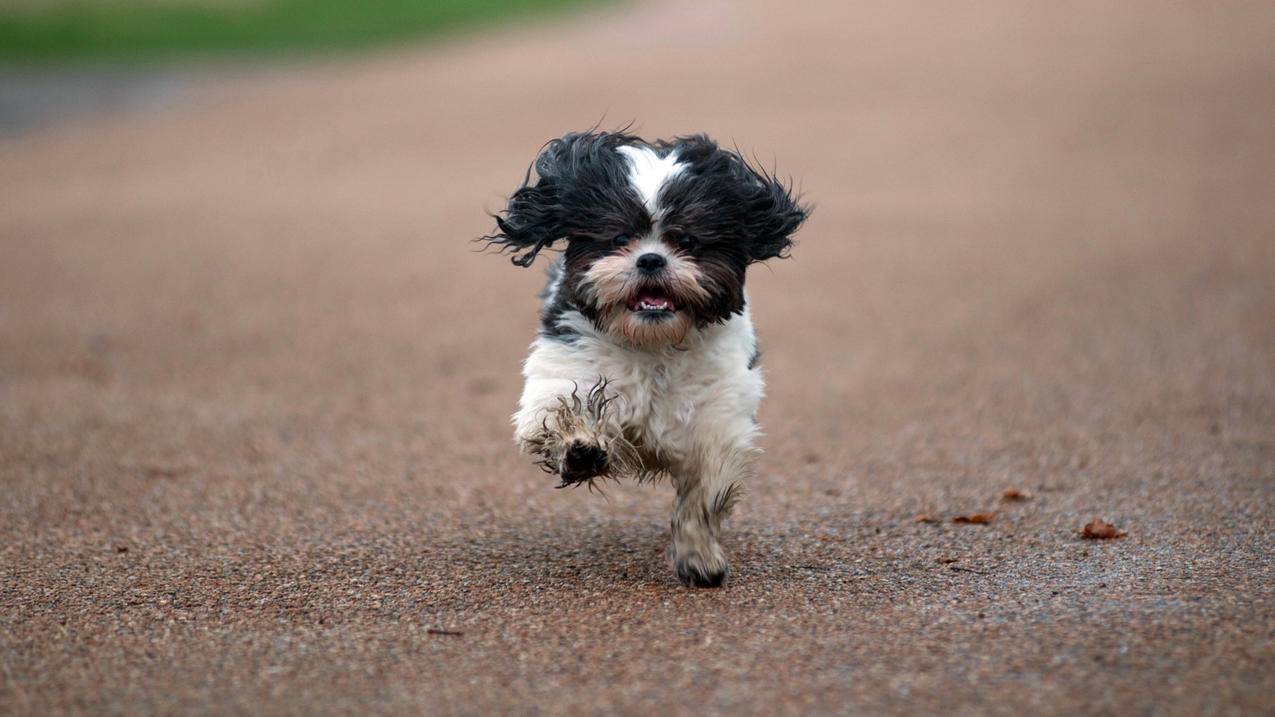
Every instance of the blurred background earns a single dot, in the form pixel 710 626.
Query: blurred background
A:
pixel 255 378
pixel 61 57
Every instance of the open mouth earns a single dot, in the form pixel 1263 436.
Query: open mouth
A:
pixel 652 302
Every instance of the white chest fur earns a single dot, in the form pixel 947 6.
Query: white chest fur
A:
pixel 682 404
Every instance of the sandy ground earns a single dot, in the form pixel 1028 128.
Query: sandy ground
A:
pixel 255 382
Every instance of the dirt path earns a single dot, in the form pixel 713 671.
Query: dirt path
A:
pixel 254 384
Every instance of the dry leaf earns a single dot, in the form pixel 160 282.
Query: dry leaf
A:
pixel 1097 529
pixel 975 518
pixel 925 518
pixel 1014 494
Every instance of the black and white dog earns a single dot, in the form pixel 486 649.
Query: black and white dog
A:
pixel 646 363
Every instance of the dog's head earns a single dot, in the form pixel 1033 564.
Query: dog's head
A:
pixel 658 235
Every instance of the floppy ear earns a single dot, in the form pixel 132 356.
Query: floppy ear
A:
pixel 726 197
pixel 537 214
pixel 773 214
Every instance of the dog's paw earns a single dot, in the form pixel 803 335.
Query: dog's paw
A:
pixel 699 570
pixel 582 461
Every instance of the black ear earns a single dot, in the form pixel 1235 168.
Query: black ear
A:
pixel 577 181
pixel 533 218
pixel 773 213
pixel 731 203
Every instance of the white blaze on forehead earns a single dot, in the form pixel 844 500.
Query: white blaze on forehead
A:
pixel 648 172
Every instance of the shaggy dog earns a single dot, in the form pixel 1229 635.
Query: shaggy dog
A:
pixel 646 364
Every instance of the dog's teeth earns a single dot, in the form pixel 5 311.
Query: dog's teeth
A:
pixel 653 305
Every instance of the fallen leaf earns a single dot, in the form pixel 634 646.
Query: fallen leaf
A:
pixel 975 518
pixel 925 518
pixel 1097 529
pixel 1014 494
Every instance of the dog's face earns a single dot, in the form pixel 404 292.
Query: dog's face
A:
pixel 658 235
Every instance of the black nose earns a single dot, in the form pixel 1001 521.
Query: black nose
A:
pixel 651 263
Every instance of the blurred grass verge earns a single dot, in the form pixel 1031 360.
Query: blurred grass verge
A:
pixel 65 30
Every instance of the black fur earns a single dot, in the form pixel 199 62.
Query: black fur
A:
pixel 728 205
pixel 581 191
pixel 580 194
pixel 582 462
pixel 556 302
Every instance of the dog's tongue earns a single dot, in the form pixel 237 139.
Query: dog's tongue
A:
pixel 653 302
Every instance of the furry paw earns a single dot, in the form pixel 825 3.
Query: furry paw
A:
pixel 697 570
pixel 580 462
pixel 578 442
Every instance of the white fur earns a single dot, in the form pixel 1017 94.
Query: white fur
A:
pixel 693 405
pixel 690 410
pixel 651 244
pixel 648 172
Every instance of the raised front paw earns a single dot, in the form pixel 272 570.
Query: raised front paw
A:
pixel 582 461
pixel 577 439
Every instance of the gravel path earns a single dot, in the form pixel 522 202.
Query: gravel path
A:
pixel 255 383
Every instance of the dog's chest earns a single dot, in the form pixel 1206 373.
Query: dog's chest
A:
pixel 662 400
pixel 668 401
pixel 671 397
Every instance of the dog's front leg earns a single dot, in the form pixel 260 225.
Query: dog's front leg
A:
pixel 571 429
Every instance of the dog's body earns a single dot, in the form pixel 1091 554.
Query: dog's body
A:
pixel 646 363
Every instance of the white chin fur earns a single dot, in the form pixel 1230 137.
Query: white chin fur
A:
pixel 645 332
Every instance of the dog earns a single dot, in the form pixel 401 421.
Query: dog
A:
pixel 646 364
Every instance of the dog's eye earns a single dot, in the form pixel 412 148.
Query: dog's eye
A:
pixel 685 242
pixel 620 239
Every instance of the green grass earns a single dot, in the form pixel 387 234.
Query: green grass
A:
pixel 130 29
